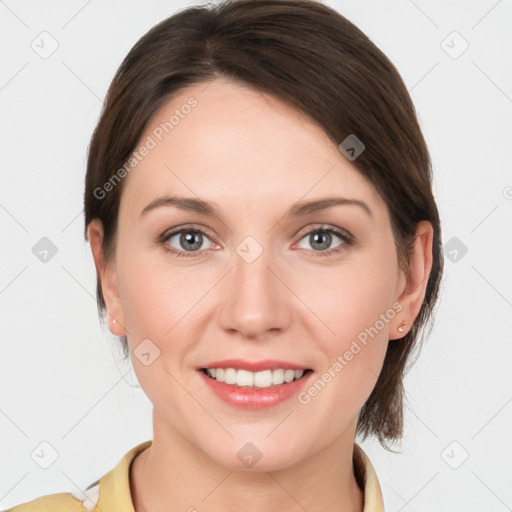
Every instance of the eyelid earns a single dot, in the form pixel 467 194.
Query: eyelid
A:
pixel 186 227
pixel 324 227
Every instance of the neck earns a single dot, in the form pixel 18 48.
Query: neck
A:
pixel 172 475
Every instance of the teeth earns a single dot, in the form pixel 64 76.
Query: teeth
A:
pixel 245 378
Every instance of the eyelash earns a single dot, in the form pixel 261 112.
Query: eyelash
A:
pixel 345 237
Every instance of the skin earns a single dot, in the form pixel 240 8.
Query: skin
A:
pixel 254 157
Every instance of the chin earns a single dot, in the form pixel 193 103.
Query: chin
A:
pixel 257 455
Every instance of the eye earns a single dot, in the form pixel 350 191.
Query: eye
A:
pixel 320 239
pixel 190 241
pixel 185 241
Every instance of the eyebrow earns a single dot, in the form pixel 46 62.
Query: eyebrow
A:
pixel 297 210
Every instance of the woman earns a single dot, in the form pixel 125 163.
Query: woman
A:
pixel 268 249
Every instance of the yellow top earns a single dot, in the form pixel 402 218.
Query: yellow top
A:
pixel 111 493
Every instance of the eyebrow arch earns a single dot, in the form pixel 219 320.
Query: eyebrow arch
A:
pixel 296 210
pixel 183 203
pixel 307 207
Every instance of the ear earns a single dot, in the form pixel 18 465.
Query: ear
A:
pixel 106 272
pixel 413 291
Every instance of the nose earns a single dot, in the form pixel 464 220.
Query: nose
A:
pixel 255 300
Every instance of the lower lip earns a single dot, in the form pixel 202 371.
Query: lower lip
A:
pixel 255 398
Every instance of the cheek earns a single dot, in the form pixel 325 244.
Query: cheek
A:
pixel 154 295
pixel 351 298
pixel 354 305
pixel 166 303
pixel 156 305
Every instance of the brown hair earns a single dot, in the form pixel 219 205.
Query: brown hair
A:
pixel 311 57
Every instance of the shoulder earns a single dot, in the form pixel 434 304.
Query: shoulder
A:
pixel 62 502
pixel 110 492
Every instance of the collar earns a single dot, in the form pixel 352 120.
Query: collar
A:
pixel 368 481
pixel 115 492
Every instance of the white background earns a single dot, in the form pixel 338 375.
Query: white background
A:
pixel 61 379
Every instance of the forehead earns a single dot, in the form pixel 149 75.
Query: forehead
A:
pixel 234 145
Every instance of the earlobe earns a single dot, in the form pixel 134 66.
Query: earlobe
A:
pixel 417 278
pixel 107 277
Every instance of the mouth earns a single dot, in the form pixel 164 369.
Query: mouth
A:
pixel 255 380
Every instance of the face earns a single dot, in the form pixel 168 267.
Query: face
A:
pixel 253 279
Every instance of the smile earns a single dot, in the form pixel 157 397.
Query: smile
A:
pixel 245 389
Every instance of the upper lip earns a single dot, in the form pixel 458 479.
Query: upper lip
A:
pixel 256 366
